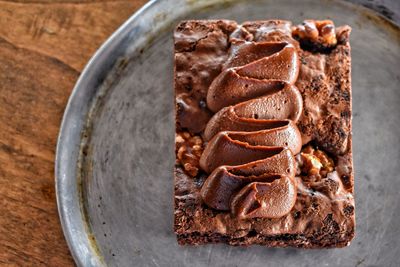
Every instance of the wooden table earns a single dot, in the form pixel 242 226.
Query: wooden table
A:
pixel 44 45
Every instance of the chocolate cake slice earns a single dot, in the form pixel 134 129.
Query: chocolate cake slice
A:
pixel 263 134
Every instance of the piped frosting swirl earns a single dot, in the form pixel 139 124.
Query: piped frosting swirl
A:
pixel 253 137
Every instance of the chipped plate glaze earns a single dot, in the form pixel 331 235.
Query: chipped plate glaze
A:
pixel 114 155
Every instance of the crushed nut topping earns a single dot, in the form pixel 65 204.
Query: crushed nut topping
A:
pixel 315 163
pixel 316 31
pixel 188 152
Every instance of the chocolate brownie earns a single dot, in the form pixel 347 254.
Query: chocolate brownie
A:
pixel 263 134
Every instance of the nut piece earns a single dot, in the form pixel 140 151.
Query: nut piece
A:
pixel 190 169
pixel 179 139
pixel 314 163
pixel 327 162
pixel 321 32
pixel 188 152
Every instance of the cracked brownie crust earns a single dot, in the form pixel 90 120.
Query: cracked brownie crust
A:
pixel 323 213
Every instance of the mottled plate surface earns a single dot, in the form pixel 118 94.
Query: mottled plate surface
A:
pixel 115 152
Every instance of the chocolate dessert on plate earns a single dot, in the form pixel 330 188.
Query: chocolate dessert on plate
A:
pixel 263 134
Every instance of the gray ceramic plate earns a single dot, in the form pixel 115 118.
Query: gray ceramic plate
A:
pixel 115 160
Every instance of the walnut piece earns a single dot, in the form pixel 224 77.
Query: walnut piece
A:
pixel 311 164
pixel 321 32
pixel 315 163
pixel 188 152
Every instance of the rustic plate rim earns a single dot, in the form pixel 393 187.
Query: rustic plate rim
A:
pixel 62 145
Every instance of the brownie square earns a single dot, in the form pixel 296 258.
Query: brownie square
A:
pixel 263 134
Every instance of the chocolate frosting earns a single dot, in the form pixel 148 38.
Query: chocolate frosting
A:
pixel 269 200
pixel 253 70
pixel 258 114
pixel 253 137
pixel 234 147
pixel 226 181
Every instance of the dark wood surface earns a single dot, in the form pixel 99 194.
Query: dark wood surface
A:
pixel 44 45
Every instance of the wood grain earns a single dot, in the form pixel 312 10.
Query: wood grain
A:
pixel 43 47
